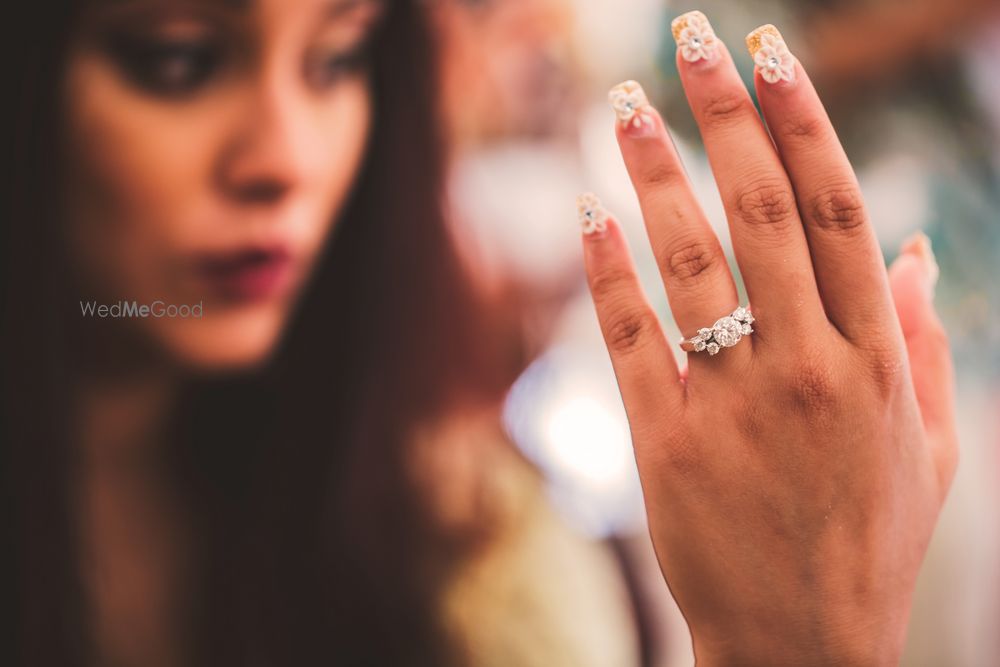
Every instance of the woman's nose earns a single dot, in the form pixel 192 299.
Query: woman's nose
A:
pixel 265 157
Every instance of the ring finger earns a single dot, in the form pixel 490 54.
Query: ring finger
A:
pixel 697 279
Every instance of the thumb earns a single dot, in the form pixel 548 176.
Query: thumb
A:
pixel 913 277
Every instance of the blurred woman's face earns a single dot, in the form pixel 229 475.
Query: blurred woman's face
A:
pixel 211 146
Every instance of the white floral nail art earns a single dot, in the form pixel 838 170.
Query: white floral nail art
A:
pixel 630 104
pixel 593 217
pixel 771 55
pixel 694 36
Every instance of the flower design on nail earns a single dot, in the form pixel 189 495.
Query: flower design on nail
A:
pixel 694 36
pixel 771 55
pixel 592 214
pixel 630 103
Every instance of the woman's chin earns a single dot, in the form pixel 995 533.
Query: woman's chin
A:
pixel 238 340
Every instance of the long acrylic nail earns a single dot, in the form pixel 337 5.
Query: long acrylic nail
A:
pixel 629 101
pixel 694 36
pixel 771 55
pixel 591 213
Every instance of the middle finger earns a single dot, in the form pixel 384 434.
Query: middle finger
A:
pixel 768 238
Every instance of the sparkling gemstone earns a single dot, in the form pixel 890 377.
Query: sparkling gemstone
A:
pixel 727 331
pixel 747 330
pixel 741 314
pixel 772 63
pixel 699 346
pixel 713 348
pixel 705 333
pixel 696 41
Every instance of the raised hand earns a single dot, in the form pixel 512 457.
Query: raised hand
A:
pixel 793 478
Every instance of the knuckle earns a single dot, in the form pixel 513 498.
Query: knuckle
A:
pixel 726 109
pixel 813 384
pixel 766 204
pixel 660 176
pixel 687 264
pixel 887 371
pixel 673 453
pixel 627 331
pixel 808 128
pixel 607 284
pixel 840 209
pixel 681 456
pixel 752 421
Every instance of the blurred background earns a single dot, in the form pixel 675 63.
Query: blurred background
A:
pixel 913 87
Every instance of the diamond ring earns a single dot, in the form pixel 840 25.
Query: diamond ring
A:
pixel 726 332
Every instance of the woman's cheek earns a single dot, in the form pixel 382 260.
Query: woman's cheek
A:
pixel 339 146
pixel 139 200
pixel 134 183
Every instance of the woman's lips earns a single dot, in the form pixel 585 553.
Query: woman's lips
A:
pixel 249 274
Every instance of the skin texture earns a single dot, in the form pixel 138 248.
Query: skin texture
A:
pixel 792 482
pixel 261 150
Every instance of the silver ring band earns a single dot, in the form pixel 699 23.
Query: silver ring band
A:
pixel 726 332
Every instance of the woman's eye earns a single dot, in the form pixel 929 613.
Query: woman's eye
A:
pixel 326 70
pixel 168 68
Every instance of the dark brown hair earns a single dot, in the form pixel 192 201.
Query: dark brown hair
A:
pixel 314 545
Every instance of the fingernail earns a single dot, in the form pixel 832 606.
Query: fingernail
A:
pixel 694 36
pixel 591 213
pixel 919 246
pixel 629 101
pixel 771 55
